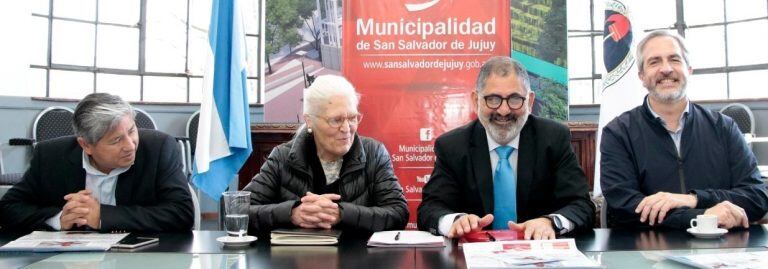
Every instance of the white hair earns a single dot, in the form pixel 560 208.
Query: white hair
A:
pixel 326 87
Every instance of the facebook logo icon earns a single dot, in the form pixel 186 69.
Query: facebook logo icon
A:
pixel 426 134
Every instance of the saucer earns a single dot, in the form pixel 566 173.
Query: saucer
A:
pixel 233 241
pixel 713 234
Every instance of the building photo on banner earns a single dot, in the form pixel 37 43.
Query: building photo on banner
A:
pixel 414 64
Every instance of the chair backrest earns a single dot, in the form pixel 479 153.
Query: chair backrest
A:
pixel 192 123
pixel 196 205
pixel 9 178
pixel 742 115
pixel 144 120
pixel 184 155
pixel 53 122
pixel 603 213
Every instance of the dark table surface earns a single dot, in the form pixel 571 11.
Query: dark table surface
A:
pixel 667 239
pixel 353 253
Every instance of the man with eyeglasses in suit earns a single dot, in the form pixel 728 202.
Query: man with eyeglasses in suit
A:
pixel 508 169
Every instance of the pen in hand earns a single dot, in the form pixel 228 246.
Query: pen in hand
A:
pixel 397 236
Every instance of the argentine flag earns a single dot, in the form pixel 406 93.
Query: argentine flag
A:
pixel 223 134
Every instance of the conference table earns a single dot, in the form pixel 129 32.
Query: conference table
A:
pixel 612 248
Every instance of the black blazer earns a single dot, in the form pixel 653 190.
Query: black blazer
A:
pixel 549 179
pixel 151 196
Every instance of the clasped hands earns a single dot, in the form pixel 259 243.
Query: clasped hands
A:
pixel 80 210
pixel 654 208
pixel 317 211
pixel 536 229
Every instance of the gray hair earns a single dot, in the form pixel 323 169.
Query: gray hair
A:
pixel 98 113
pixel 659 33
pixel 502 66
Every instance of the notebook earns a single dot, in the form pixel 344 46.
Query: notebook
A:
pixel 405 239
pixel 305 237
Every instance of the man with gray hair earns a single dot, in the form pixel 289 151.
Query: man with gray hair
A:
pixel 102 178
pixel 669 160
pixel 514 169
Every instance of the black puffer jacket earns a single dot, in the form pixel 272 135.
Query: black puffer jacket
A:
pixel 371 197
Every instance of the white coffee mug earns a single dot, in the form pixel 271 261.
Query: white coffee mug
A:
pixel 704 223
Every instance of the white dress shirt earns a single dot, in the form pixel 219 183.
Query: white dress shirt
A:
pixel 101 185
pixel 446 221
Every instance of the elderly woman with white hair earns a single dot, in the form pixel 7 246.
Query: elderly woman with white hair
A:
pixel 328 176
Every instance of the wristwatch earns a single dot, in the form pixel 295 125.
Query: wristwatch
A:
pixel 557 225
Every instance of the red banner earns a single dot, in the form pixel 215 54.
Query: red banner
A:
pixel 415 63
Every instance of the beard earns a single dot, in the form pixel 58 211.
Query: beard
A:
pixel 503 133
pixel 669 97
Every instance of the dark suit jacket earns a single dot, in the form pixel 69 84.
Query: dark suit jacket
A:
pixel 151 196
pixel 549 179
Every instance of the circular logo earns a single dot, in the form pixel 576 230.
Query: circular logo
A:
pixel 617 42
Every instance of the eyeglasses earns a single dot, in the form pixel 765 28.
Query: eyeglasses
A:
pixel 494 101
pixel 336 122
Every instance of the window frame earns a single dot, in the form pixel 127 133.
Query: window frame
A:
pixel 140 71
pixel 681 27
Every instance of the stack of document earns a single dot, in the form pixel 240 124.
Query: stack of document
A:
pixel 405 239
pixel 558 253
pixel 305 237
pixel 40 241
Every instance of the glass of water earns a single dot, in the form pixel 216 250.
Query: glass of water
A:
pixel 236 205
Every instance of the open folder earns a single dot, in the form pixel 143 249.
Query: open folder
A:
pixel 405 239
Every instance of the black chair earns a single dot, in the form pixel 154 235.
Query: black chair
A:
pixel 745 120
pixel 189 142
pixel 192 124
pixel 742 115
pixel 186 144
pixel 144 120
pixel 52 122
pixel 7 179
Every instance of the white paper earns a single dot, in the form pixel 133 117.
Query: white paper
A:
pixel 40 241
pixel 558 253
pixel 758 259
pixel 405 238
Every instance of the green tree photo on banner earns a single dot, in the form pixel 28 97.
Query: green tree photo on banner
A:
pixel 539 42
pixel 281 29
